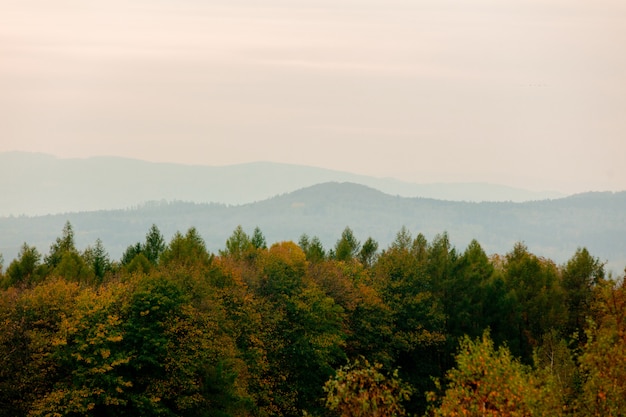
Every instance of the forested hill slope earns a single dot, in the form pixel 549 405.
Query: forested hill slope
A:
pixel 38 184
pixel 550 228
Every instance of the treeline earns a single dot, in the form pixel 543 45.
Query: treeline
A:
pixel 292 329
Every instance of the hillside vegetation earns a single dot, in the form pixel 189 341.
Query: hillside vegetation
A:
pixel 550 228
pixel 418 327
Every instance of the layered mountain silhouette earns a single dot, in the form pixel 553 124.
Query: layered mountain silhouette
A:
pixel 550 228
pixel 38 184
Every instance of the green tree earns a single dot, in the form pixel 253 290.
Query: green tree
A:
pixel 151 249
pixel 557 375
pixel 347 247
pixel 283 269
pixel 130 253
pixel 258 239
pixel 473 299
pixel 367 254
pixel 442 258
pixel 139 264
pixel 154 246
pixel 313 248
pixel 98 259
pixel 314 340
pixel 73 267
pixel 61 246
pixel 188 337
pixel 465 291
pixel 238 244
pixel 359 389
pixel 401 277
pixel 581 275
pixel 187 251
pixel 306 338
pixel 534 285
pixel 25 269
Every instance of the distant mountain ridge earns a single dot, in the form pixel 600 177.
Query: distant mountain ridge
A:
pixel 38 184
pixel 550 228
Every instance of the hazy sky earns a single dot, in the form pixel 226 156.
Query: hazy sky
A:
pixel 528 93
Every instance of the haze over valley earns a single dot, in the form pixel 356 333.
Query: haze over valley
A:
pixel 40 184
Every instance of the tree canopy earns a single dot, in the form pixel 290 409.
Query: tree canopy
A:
pixel 285 329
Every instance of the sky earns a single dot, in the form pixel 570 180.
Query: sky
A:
pixel 526 93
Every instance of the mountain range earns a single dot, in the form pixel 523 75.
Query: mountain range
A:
pixel 552 228
pixel 40 184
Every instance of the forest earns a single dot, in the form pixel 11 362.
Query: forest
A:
pixel 419 328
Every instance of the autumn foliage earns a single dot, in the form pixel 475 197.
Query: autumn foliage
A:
pixel 291 329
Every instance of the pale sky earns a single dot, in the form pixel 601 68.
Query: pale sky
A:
pixel 528 93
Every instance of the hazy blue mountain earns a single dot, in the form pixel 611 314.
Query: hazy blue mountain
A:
pixel 550 228
pixel 37 184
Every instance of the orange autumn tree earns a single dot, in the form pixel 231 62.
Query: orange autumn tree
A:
pixel 486 382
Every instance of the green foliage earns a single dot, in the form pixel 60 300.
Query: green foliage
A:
pixel 534 284
pixel 465 292
pixel 312 248
pixel 359 389
pixel 139 264
pixel 130 253
pixel 187 251
pixel 282 270
pixel 347 247
pixel 238 244
pixel 73 267
pixel 367 254
pixel 151 249
pixel 25 269
pixel 98 259
pixel 557 375
pixel 581 275
pixel 63 260
pixel 441 260
pixel 313 331
pixel 418 322
pixel 154 246
pixel 258 239
pixel 63 244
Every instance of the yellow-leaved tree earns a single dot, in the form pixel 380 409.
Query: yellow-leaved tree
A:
pixel 486 382
pixel 363 390
pixel 602 361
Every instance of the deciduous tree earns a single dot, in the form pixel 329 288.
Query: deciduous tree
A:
pixel 486 382
pixel 359 389
pixel 602 360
